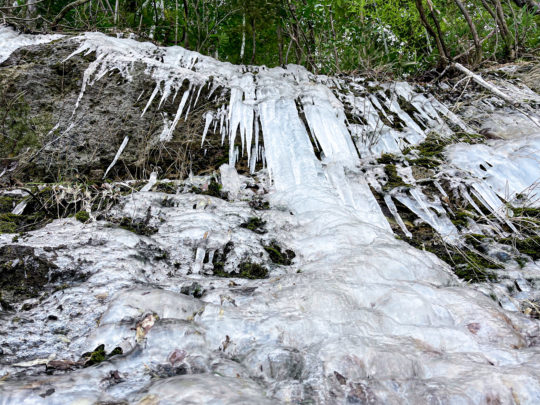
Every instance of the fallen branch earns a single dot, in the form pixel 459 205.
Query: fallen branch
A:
pixel 478 79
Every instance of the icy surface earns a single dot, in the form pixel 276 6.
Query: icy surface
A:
pixel 358 316
pixel 11 41
pixel 508 167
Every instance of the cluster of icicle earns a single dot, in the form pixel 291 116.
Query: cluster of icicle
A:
pixel 280 101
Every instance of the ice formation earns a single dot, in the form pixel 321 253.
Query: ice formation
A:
pixel 11 41
pixel 360 317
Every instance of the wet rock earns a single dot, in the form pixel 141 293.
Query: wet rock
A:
pixel 23 273
pixel 194 289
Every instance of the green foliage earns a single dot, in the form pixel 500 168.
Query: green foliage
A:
pixel 327 36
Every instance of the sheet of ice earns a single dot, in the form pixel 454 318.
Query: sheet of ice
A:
pixel 10 40
pixel 508 167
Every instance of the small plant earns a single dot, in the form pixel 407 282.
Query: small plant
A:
pixel 82 216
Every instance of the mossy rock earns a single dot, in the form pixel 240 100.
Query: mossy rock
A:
pixel 214 190
pixel 387 158
pixel 23 273
pixel 246 269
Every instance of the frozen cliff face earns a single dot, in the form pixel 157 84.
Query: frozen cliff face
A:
pixel 354 315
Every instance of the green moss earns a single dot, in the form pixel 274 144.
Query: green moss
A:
pixel 424 161
pixel 394 180
pixel 214 189
pixel 8 227
pixel 99 355
pixel 528 246
pixel 82 216
pixel 9 222
pixel 430 152
pixel 278 256
pixel 7 203
pixel 255 224
pixel 259 204
pixel 432 147
pixel 246 269
pixel 166 187
pixel 475 239
pixel 529 212
pixel 387 158
pixel 466 264
pixel 136 226
pixel 460 218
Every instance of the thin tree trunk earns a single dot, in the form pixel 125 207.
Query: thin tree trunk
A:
pixel 472 27
pixel 185 38
pixel 243 46
pixel 280 44
pixel 504 27
pixel 334 39
pixel 438 27
pixel 443 58
pixel 176 22
pixel 254 40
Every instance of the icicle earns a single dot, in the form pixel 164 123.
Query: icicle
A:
pixel 165 137
pixel 154 93
pixel 198 94
pixel 209 117
pixel 198 262
pixel 422 208
pixel 118 153
pixel 392 207
pixel 468 197
pixel 19 208
pixel 165 94
pixel 443 193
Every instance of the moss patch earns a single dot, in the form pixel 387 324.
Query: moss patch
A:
pixel 82 216
pixel 136 226
pixel 214 190
pixel 394 180
pixel 246 269
pixel 23 274
pixel 528 246
pixel 255 224
pixel 279 256
pixel 98 355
